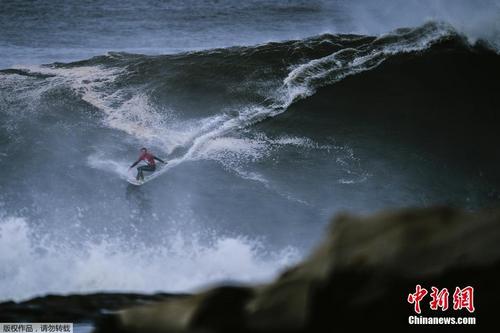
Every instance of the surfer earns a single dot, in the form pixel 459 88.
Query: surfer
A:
pixel 149 159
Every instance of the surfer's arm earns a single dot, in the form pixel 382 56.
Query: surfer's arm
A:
pixel 159 159
pixel 135 163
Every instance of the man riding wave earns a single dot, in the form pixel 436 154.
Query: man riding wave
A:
pixel 149 159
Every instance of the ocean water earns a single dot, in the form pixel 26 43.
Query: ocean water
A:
pixel 36 32
pixel 273 115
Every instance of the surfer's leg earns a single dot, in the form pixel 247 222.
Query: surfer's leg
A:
pixel 145 168
pixel 141 169
pixel 149 168
pixel 139 173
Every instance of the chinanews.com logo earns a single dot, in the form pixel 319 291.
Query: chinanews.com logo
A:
pixel 463 302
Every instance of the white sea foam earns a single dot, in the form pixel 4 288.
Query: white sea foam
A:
pixel 30 265
pixel 305 79
pixel 101 162
pixel 233 149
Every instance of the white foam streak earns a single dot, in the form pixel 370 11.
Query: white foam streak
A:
pixel 98 161
pixel 305 79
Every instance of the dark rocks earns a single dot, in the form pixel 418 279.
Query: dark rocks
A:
pixel 359 277
pixel 73 308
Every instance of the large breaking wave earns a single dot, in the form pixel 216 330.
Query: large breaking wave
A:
pixel 264 144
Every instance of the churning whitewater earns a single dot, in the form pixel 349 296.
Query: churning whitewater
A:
pixel 264 144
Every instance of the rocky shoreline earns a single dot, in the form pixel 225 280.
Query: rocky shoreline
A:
pixel 360 275
pixel 85 308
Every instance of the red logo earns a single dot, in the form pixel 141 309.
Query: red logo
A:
pixel 417 297
pixel 462 298
pixel 439 299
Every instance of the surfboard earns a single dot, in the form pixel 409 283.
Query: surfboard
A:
pixel 135 182
pixel 147 175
